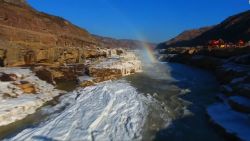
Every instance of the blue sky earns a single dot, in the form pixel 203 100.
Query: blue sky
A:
pixel 152 20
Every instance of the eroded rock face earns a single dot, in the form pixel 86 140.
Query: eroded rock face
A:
pixel 53 75
pixel 34 37
pixel 119 63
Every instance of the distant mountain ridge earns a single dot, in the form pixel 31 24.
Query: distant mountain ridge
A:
pixel 232 29
pixel 108 42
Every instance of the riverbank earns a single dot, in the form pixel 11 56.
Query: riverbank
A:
pixel 24 90
pixel 22 93
pixel 170 104
pixel 111 110
pixel 231 67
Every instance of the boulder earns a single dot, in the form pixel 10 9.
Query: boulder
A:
pixel 28 88
pixel 87 83
pixel 53 75
pixel 45 74
pixel 119 51
pixel 103 72
pixel 9 95
pixel 8 77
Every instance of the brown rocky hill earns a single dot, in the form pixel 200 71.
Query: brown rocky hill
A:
pixel 17 2
pixel 107 42
pixel 184 36
pixel 232 29
pixel 25 19
pixel 28 36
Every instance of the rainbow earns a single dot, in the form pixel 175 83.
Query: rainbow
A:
pixel 149 52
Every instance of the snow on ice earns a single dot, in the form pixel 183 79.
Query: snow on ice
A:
pixel 108 111
pixel 13 109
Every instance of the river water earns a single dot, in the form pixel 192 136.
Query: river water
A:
pixel 166 101
pixel 186 92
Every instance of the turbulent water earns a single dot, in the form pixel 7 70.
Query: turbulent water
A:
pixel 185 92
pixel 165 102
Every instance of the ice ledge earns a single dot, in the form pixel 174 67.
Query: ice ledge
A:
pixel 107 111
pixel 16 104
pixel 235 123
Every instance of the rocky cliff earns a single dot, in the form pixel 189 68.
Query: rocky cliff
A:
pixel 16 2
pixel 232 29
pixel 28 36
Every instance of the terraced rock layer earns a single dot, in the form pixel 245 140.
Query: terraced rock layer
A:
pixel 28 36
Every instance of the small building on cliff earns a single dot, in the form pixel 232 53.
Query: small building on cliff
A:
pixel 241 43
pixel 217 43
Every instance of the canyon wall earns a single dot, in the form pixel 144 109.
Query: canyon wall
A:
pixel 28 36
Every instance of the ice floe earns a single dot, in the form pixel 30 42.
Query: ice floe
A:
pixel 235 123
pixel 240 100
pixel 107 111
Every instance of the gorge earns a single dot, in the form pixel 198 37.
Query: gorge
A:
pixel 58 81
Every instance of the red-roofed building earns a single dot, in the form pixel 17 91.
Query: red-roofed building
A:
pixel 241 43
pixel 217 43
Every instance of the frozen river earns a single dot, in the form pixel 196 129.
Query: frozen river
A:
pixel 165 102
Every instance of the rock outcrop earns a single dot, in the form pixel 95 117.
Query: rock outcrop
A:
pixel 115 66
pixel 29 37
